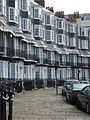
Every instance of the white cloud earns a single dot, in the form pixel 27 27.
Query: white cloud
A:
pixel 69 6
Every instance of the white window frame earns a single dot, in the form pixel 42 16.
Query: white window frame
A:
pixel 84 31
pixel 43 18
pixel 79 44
pixel 24 5
pixel 1 7
pixel 52 20
pixel 84 44
pixel 13 14
pixel 35 32
pixel 78 31
pixel 25 24
pixel 29 25
pixel 12 73
pixel 60 38
pixel 16 15
pixel 60 25
pixel 31 10
pixel 36 14
pixel 48 21
pixel 72 42
pixel 63 39
pixel 48 36
pixel 55 23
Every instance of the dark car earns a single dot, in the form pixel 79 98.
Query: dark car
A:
pixel 72 92
pixel 67 85
pixel 83 99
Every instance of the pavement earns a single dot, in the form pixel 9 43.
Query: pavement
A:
pixel 45 105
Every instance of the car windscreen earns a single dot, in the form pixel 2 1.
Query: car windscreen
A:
pixel 75 82
pixel 69 82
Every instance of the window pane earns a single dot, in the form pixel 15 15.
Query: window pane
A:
pixel 48 35
pixel 59 38
pixel 12 70
pixel 24 5
pixel 11 14
pixel 60 24
pixel 36 30
pixel 48 19
pixel 25 24
pixel 49 73
pixel 36 13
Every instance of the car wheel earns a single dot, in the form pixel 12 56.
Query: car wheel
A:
pixel 62 93
pixel 70 101
pixel 87 108
pixel 78 104
pixel 67 99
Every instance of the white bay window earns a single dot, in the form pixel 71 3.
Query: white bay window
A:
pixel 24 5
pixel 84 32
pixel 36 13
pixel 26 24
pixel 61 39
pixel 48 35
pixel 13 15
pixel 84 44
pixel 48 19
pixel 61 25
pixel 72 42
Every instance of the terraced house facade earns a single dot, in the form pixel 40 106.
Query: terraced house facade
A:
pixel 37 47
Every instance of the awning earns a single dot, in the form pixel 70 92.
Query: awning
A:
pixel 52 47
pixel 40 44
pixel 73 51
pixel 84 53
pixel 64 51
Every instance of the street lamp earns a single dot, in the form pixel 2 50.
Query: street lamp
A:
pixel 56 81
pixel 78 73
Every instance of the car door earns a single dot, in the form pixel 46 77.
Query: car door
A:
pixel 85 92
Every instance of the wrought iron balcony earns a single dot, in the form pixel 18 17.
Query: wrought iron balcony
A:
pixel 52 63
pixel 57 63
pixel 45 61
pixel 10 52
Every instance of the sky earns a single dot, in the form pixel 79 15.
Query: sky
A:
pixel 69 6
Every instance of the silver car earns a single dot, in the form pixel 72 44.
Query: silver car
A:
pixel 67 85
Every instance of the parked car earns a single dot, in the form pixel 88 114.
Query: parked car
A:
pixel 67 85
pixel 72 92
pixel 83 99
pixel 84 82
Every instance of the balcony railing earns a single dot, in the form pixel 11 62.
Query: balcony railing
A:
pixel 9 52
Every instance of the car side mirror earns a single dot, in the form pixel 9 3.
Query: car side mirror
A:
pixel 81 92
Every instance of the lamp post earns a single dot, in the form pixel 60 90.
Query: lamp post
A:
pixel 10 100
pixel 78 73
pixel 56 80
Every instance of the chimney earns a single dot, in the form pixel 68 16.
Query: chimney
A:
pixel 50 9
pixel 59 14
pixel 73 17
